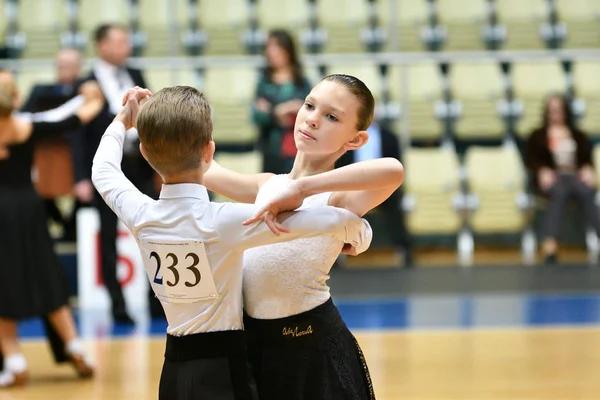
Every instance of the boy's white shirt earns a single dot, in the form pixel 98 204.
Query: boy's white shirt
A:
pixel 183 225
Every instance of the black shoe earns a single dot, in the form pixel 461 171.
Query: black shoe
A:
pixel 121 317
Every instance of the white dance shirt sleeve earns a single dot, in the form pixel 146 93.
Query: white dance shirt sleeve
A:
pixel 323 221
pixel 117 191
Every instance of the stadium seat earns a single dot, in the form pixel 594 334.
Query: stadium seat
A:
pixel 230 92
pixel 343 21
pixel 291 14
pixel 533 83
pixel 411 16
pixel 158 78
pixel 154 24
pixel 230 84
pixel 43 23
pixel 586 76
pixel 479 87
pixel 581 17
pixel 223 20
pixel 463 19
pixel 496 176
pixel 246 163
pixel 496 179
pixel 522 20
pixel 431 186
pixel 424 90
pixel 93 13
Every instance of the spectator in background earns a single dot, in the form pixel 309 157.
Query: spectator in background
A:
pixel 279 95
pixel 384 143
pixel 53 161
pixel 110 70
pixel 559 157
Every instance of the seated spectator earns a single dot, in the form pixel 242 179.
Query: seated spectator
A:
pixel 559 157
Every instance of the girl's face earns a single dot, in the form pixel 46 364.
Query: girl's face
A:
pixel 276 55
pixel 326 123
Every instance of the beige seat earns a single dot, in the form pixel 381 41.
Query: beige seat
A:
pixel 533 82
pixel 230 92
pixel 479 88
pixel 158 78
pixel 496 176
pixel 496 179
pixel 245 163
pixel 411 16
pixel 43 22
pixel 290 14
pixel 424 90
pixel 431 185
pixel 581 17
pixel 586 76
pixel 522 20
pixel 224 22
pixel 463 20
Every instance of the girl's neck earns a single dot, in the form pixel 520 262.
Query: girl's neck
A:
pixel 305 165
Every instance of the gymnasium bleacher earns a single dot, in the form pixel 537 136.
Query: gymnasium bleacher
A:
pixel 462 82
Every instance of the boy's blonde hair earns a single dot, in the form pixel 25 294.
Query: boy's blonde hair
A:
pixel 174 127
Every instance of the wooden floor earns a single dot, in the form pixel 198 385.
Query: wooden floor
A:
pixel 496 364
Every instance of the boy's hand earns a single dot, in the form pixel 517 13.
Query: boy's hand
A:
pixel 132 100
pixel 4 153
pixel 288 200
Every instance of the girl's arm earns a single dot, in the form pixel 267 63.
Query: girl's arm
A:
pixel 358 187
pixel 234 185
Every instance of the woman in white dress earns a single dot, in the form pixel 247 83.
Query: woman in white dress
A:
pixel 298 344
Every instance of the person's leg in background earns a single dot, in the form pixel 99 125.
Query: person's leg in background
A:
pixel 587 198
pixel 558 197
pixel 108 251
pixel 396 224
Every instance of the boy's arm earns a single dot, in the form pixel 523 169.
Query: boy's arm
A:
pixel 234 185
pixel 324 221
pixel 116 190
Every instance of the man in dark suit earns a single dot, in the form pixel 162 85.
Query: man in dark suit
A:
pixel 45 97
pixel 383 143
pixel 115 77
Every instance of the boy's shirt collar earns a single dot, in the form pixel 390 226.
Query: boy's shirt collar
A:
pixel 182 190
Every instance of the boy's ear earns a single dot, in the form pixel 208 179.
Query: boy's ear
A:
pixel 207 156
pixel 361 138
pixel 209 152
pixel 143 152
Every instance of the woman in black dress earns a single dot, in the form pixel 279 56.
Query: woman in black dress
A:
pixel 33 282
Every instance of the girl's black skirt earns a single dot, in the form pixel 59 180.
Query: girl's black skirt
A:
pixel 211 366
pixel 309 356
